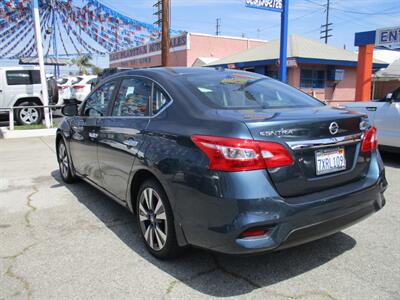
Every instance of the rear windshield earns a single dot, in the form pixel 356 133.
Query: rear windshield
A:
pixel 236 90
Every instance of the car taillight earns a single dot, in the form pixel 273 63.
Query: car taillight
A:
pixel 231 154
pixel 77 87
pixel 370 141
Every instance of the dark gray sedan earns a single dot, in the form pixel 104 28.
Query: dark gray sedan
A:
pixel 225 160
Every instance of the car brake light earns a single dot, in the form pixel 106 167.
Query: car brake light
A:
pixel 231 154
pixel 370 141
pixel 77 87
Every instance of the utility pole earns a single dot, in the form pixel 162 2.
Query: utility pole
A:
pixel 218 27
pixel 38 35
pixel 325 29
pixel 165 32
pixel 158 13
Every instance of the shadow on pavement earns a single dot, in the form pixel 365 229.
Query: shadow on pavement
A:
pixel 213 274
pixel 390 159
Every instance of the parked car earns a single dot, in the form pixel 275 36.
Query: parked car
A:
pixel 20 86
pixel 226 160
pixel 64 88
pixel 82 88
pixel 384 114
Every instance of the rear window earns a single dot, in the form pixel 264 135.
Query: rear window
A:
pixel 62 80
pixel 23 77
pixel 236 90
pixel 76 80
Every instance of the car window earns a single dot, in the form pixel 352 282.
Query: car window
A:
pixel 97 103
pixel 160 99
pixel 76 80
pixel 396 96
pixel 236 90
pixel 23 77
pixel 132 98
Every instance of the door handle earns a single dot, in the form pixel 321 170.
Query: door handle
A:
pixel 371 108
pixel 93 135
pixel 130 143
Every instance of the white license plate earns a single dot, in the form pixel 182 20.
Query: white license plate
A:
pixel 330 160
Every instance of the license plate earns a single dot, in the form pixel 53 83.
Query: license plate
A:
pixel 330 160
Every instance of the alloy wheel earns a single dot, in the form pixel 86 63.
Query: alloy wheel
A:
pixel 152 218
pixel 29 115
pixel 63 160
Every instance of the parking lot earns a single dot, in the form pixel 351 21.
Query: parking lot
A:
pixel 70 241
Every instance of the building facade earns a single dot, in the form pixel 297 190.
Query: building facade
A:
pixel 186 50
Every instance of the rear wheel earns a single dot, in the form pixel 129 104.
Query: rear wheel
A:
pixel 64 163
pixel 155 221
pixel 29 115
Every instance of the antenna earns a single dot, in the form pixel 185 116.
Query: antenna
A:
pixel 325 28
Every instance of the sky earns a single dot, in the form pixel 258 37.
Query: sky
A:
pixel 305 18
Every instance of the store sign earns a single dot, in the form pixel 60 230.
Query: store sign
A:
pixel 274 5
pixel 388 38
pixel 147 50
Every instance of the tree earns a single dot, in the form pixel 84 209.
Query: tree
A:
pixel 96 70
pixel 83 63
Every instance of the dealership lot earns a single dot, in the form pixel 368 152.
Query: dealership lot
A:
pixel 59 241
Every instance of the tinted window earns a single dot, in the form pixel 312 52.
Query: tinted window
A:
pixel 243 90
pixel 23 77
pixel 132 98
pixel 97 104
pixel 160 99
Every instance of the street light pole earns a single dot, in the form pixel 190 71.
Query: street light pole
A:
pixel 38 35
pixel 165 32
pixel 284 42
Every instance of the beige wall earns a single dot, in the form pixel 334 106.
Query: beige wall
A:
pixel 216 46
pixel 342 91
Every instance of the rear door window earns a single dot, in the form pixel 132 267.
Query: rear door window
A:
pixel 133 98
pixel 23 77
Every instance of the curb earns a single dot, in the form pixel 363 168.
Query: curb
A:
pixel 5 133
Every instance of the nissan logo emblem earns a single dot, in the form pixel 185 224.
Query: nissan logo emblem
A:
pixel 334 128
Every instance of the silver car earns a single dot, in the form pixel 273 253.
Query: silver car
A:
pixel 384 114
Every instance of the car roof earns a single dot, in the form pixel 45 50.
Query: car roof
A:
pixel 17 68
pixel 174 71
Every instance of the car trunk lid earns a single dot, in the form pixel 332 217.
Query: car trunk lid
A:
pixel 324 141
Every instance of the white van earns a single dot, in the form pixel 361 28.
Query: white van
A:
pixel 20 86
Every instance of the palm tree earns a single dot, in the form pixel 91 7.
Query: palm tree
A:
pixel 83 63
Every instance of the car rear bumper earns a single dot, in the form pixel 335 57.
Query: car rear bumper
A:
pixel 289 221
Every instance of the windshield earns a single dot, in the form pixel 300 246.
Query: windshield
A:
pixel 235 90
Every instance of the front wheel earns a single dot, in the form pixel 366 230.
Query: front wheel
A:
pixel 155 220
pixel 64 163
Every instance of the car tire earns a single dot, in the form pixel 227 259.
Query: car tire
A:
pixel 155 221
pixel 29 116
pixel 64 163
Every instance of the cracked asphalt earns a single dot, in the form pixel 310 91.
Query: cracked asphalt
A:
pixel 72 242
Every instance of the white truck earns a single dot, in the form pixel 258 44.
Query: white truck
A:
pixel 384 114
pixel 20 86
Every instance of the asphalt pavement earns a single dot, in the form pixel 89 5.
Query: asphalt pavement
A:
pixel 62 241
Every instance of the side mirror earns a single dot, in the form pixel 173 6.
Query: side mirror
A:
pixel 389 97
pixel 70 110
